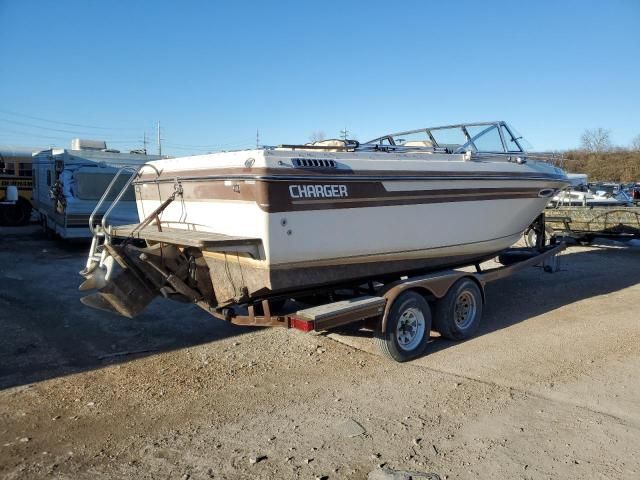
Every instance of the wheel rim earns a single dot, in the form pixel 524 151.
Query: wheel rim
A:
pixel 410 329
pixel 532 238
pixel 465 310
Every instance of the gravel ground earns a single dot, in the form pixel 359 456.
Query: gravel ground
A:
pixel 549 388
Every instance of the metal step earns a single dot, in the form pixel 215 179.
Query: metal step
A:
pixel 182 237
pixel 340 313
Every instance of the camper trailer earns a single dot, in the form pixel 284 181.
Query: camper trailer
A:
pixel 68 183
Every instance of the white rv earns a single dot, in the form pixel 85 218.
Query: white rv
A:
pixel 68 183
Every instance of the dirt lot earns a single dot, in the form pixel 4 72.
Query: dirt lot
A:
pixel 550 387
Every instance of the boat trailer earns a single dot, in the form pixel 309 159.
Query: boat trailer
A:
pixel 401 310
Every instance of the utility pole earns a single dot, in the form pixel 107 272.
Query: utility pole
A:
pixel 257 138
pixel 159 140
pixel 144 141
pixel 344 133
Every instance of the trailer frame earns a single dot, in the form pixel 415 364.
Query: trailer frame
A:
pixel 374 309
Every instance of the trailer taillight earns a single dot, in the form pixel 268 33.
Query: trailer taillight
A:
pixel 303 325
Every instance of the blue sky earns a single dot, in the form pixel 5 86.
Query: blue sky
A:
pixel 214 72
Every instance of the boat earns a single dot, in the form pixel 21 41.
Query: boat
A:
pixel 581 193
pixel 587 198
pixel 234 228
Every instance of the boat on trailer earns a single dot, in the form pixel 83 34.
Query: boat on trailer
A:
pixel 235 228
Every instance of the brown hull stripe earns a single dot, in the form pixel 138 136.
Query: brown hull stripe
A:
pixel 316 204
pixel 276 197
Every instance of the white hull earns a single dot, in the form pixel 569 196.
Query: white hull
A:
pixel 460 228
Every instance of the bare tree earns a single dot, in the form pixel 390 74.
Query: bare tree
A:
pixel 317 136
pixel 635 143
pixel 596 140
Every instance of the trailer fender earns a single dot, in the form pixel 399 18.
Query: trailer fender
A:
pixel 433 287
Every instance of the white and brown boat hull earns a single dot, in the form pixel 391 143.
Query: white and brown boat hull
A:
pixel 321 229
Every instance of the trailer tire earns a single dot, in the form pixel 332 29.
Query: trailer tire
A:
pixel 458 313
pixel 16 215
pixel 408 328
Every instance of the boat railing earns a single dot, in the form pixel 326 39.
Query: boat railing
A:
pixel 515 157
pixel 101 233
pixel 105 195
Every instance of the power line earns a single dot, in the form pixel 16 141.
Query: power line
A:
pixel 60 137
pixel 23 124
pixel 213 148
pixel 61 140
pixel 214 145
pixel 49 129
pixel 8 112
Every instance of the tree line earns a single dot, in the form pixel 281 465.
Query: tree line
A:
pixel 601 160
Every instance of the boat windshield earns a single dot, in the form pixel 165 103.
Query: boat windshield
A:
pixel 490 137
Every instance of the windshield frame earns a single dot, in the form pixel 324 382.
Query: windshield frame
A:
pixel 391 137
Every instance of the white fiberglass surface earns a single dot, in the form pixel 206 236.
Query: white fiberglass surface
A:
pixel 234 218
pixel 325 234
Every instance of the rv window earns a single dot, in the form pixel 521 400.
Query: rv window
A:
pixel 91 186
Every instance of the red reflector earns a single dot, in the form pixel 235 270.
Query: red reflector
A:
pixel 303 325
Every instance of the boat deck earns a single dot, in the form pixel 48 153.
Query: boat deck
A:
pixel 182 237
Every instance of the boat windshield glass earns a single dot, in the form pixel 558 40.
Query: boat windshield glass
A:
pixel 509 140
pixel 516 138
pixel 485 138
pixel 451 137
pixel 415 139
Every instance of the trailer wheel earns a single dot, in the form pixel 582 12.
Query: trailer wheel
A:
pixel 458 313
pixel 408 328
pixel 530 237
pixel 16 215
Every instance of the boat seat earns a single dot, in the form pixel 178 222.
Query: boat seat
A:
pixel 340 144
pixel 418 143
pixel 329 143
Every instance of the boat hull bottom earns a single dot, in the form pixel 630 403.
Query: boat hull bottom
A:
pixel 237 279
